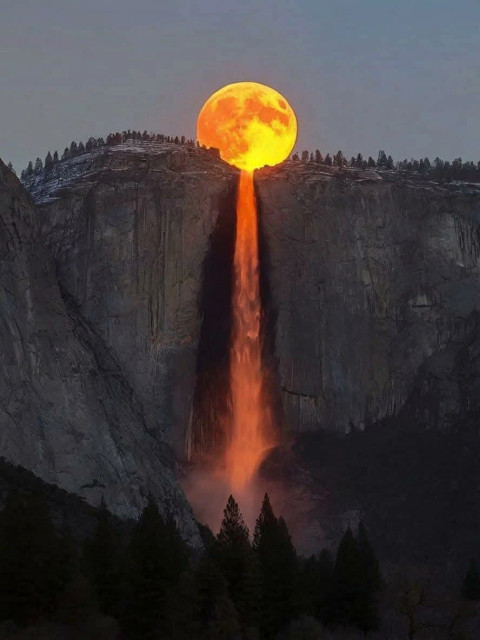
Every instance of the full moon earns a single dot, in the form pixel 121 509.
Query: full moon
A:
pixel 251 125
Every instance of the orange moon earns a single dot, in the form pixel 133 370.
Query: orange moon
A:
pixel 252 125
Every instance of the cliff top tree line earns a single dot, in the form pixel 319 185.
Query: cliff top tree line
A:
pixel 438 170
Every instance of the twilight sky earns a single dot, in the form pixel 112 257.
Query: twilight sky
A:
pixel 400 75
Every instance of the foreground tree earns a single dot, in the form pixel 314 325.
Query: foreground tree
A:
pixel 237 563
pixel 156 557
pixel 277 561
pixel 353 596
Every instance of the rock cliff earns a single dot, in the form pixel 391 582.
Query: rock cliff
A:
pixel 129 228
pixel 371 276
pixel 375 279
pixel 66 410
pixel 371 285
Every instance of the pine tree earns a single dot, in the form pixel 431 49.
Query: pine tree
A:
pixel 352 600
pixel 29 169
pixel 48 162
pixel 471 582
pixel 38 168
pixel 103 563
pixel 34 561
pixel 156 558
pixel 328 160
pixel 81 148
pixel 55 157
pixel 73 148
pixel 318 157
pixel 237 563
pixel 382 159
pixel 304 156
pixel 347 579
pixel 277 561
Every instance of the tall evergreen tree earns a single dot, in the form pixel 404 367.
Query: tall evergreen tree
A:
pixel 237 563
pixel 352 600
pixel 38 168
pixel 156 557
pixel 48 162
pixel 382 159
pixel 278 569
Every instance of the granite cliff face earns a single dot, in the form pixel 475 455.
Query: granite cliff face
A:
pixel 129 228
pixel 371 286
pixel 373 279
pixel 67 411
pixel 376 285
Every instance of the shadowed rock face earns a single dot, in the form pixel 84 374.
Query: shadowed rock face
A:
pixel 66 410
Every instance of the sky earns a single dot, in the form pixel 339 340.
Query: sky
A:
pixel 362 75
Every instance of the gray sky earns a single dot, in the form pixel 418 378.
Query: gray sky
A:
pixel 401 75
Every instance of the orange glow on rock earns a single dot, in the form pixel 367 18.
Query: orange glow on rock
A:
pixel 252 125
